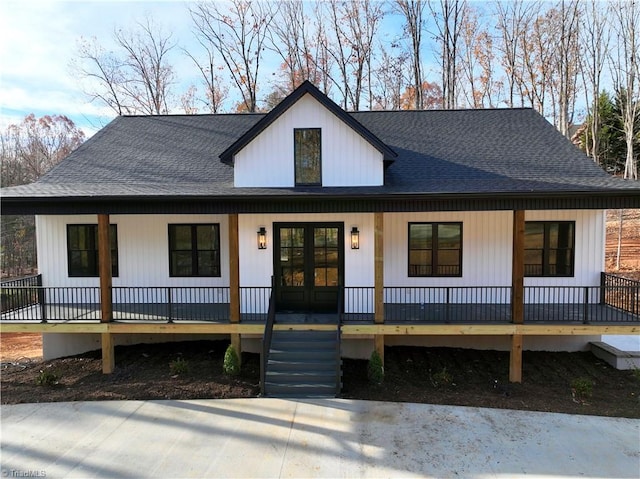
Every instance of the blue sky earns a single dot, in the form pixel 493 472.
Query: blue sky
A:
pixel 38 41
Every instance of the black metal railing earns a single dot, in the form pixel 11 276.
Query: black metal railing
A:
pixel 338 345
pixel 20 293
pixel 73 303
pixel 266 337
pixel 171 303
pixel 358 304
pixel 615 300
pixel 447 304
pixel 254 303
pixel 573 304
pixel 620 292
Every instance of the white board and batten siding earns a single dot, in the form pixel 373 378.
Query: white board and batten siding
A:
pixel 143 250
pixel 347 158
pixel 487 253
pixel 590 238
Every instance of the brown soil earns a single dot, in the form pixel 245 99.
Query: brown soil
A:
pixel 422 375
pixel 16 346
pixel 629 246
pixel 430 375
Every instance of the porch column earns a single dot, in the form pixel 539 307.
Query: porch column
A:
pixel 378 227
pixel 517 295
pixel 234 280
pixel 106 306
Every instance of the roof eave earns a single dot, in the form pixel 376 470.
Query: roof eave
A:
pixel 598 199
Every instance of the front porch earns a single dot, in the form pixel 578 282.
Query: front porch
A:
pixel 615 302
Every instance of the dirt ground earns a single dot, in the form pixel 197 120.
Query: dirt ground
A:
pixel 430 375
pixel 630 244
pixel 420 375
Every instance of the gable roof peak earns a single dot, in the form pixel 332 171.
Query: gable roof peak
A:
pixel 306 87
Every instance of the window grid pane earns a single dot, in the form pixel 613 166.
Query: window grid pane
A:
pixel 82 250
pixel 292 256
pixel 307 156
pixel 194 250
pixel 549 248
pixel 435 249
pixel 325 253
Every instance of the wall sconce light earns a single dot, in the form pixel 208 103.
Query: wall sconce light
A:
pixel 355 238
pixel 262 238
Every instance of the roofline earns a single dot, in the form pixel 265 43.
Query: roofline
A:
pixel 306 87
pixel 407 202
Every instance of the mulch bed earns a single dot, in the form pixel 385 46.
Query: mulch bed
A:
pixel 553 382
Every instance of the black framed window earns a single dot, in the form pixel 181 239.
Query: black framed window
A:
pixel 194 250
pixel 307 156
pixel 82 250
pixel 549 248
pixel 435 249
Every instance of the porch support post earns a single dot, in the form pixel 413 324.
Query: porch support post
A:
pixel 517 295
pixel 108 356
pixel 378 226
pixel 234 281
pixel 106 305
pixel 515 359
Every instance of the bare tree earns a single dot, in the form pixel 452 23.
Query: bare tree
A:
pixel 354 25
pixel 567 62
pixel 513 19
pixel 28 150
pixel 238 34
pixel 215 89
pixel 449 19
pixel 626 75
pixel 323 60
pixel 103 72
pixel 594 36
pixel 34 146
pixel 292 38
pixel 389 80
pixel 150 75
pixel 135 79
pixel 535 72
pixel 478 84
pixel 188 101
pixel 412 11
pixel 431 97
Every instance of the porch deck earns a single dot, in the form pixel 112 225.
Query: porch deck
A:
pixel 615 301
pixel 394 314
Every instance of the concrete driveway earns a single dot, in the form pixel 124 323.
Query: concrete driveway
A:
pixel 256 438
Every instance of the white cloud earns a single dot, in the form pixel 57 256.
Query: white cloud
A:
pixel 38 40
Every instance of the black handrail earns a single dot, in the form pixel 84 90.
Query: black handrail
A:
pixel 266 338
pixel 338 344
pixel 20 293
pixel 620 292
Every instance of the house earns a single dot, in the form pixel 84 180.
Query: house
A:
pixel 473 228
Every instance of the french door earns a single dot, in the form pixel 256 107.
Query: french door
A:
pixel 308 266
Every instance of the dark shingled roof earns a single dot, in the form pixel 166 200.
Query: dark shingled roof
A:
pixel 499 152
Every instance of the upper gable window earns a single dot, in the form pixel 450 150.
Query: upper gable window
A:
pixel 307 156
